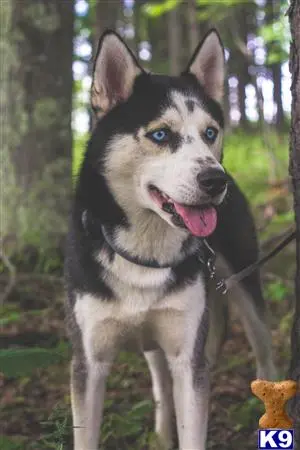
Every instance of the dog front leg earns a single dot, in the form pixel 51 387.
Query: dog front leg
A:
pixel 94 400
pixel 87 394
pixel 182 336
pixel 78 388
pixel 191 396
pixel 162 392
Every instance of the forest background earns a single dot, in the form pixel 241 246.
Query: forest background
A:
pixel 46 48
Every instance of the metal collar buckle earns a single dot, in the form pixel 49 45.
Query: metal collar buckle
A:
pixel 210 261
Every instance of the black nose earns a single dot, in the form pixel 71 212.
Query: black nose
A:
pixel 212 181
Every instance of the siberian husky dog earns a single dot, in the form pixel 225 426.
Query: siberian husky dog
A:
pixel 151 189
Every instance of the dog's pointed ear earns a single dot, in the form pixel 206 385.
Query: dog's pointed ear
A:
pixel 115 70
pixel 208 65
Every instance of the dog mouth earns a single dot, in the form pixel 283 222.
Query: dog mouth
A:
pixel 200 220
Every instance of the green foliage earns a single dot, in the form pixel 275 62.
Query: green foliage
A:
pixel 10 313
pixel 57 428
pixel 22 361
pixel 157 9
pixel 277 35
pixel 223 2
pixel 129 425
pixel 79 147
pixel 10 318
pixel 247 415
pixel 253 162
pixel 10 444
pixel 277 291
pixel 207 9
pixel 286 323
pixel 126 420
pixel 218 10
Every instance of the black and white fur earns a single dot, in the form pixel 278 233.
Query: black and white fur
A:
pixel 165 311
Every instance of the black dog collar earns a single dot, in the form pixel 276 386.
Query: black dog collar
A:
pixel 150 263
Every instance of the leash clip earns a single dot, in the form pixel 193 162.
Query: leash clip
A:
pixel 211 268
pixel 211 260
pixel 222 287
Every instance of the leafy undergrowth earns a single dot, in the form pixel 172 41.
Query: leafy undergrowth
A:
pixel 35 405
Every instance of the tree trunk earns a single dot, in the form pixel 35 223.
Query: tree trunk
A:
pixel 174 41
pixel 36 120
pixel 137 27
pixel 243 77
pixel 294 16
pixel 277 95
pixel 106 16
pixel 243 22
pixel 273 14
pixel 107 13
pixel 41 85
pixel 191 10
pixel 6 56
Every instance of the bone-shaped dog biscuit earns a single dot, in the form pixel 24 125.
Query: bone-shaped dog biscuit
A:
pixel 274 395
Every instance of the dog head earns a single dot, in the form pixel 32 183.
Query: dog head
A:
pixel 162 135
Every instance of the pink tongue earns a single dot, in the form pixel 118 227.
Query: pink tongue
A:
pixel 200 222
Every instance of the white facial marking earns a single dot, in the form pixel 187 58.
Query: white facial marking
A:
pixel 135 162
pixel 176 173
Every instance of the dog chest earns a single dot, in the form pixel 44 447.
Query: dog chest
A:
pixel 106 326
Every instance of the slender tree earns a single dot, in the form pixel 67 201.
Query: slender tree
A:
pixel 294 16
pixel 272 15
pixel 242 23
pixel 174 41
pixel 106 15
pixel 193 30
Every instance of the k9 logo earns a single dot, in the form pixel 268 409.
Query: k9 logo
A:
pixel 270 439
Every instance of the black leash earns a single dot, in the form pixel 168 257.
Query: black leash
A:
pixel 225 284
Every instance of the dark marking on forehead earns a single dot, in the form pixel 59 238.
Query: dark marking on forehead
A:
pixel 190 104
pixel 189 139
pixel 207 103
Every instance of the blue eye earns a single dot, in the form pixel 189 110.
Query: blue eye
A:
pixel 211 134
pixel 161 135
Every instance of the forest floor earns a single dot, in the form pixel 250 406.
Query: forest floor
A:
pixel 35 408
